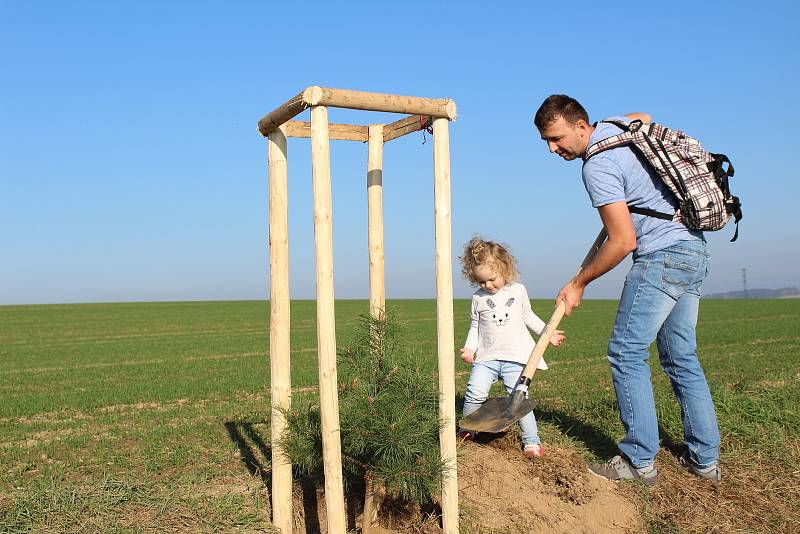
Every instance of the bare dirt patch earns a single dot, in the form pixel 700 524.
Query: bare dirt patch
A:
pixel 501 491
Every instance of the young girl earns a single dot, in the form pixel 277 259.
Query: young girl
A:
pixel 498 343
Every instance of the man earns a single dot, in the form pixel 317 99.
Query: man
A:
pixel 659 301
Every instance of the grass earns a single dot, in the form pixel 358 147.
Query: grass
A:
pixel 155 416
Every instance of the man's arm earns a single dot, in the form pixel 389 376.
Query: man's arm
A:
pixel 621 241
pixel 638 115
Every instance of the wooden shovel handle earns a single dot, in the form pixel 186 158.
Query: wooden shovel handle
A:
pixel 552 324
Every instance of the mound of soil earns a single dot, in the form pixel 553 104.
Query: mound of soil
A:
pixel 501 491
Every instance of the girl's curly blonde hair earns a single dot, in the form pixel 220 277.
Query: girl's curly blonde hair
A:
pixel 481 252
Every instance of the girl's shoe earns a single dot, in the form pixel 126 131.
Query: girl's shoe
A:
pixel 533 450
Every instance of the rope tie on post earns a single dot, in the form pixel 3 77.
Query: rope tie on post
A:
pixel 425 125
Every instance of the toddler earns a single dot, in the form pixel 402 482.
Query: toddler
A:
pixel 498 343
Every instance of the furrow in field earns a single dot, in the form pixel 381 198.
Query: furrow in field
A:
pixel 210 357
pixel 47 343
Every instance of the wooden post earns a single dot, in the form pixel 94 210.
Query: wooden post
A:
pixel 444 323
pixel 279 364
pixel 326 327
pixel 377 297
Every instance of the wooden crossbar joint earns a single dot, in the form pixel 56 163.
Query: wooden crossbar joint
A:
pixel 282 113
pixel 407 125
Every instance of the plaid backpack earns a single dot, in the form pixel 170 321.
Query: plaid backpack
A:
pixel 698 178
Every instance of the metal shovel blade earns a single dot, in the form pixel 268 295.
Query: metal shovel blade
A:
pixel 498 414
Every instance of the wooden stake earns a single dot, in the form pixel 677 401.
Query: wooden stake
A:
pixel 444 323
pixel 345 132
pixel 326 327
pixel 279 364
pixel 369 514
pixel 377 297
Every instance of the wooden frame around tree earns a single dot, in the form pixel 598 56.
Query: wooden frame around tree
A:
pixel 277 126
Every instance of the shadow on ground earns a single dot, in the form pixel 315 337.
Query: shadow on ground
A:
pixel 255 455
pixel 596 441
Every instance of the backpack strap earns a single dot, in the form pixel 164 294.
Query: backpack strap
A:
pixel 651 213
pixel 623 139
pixel 624 126
pixel 615 141
pixel 722 174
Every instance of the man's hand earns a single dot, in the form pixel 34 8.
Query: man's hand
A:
pixel 571 294
pixel 468 355
pixel 557 338
pixel 639 116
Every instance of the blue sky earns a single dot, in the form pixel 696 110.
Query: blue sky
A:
pixel 131 169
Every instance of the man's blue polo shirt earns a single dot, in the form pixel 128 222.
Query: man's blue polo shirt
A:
pixel 621 175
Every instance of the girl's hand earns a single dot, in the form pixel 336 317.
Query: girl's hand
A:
pixel 468 355
pixel 557 338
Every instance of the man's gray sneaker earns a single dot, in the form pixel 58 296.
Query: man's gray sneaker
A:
pixel 712 473
pixel 619 468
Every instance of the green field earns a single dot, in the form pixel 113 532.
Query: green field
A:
pixel 155 416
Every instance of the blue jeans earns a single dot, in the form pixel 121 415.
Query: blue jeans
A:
pixel 486 373
pixel 659 303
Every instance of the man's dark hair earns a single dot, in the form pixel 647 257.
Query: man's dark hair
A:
pixel 555 107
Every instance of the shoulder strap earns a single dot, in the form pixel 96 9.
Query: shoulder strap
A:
pixel 619 124
pixel 621 139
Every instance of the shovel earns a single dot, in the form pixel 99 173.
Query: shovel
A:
pixel 500 413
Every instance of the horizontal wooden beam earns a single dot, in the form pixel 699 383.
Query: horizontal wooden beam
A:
pixel 344 98
pixel 281 114
pixel 353 132
pixel 412 123
pixel 345 132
